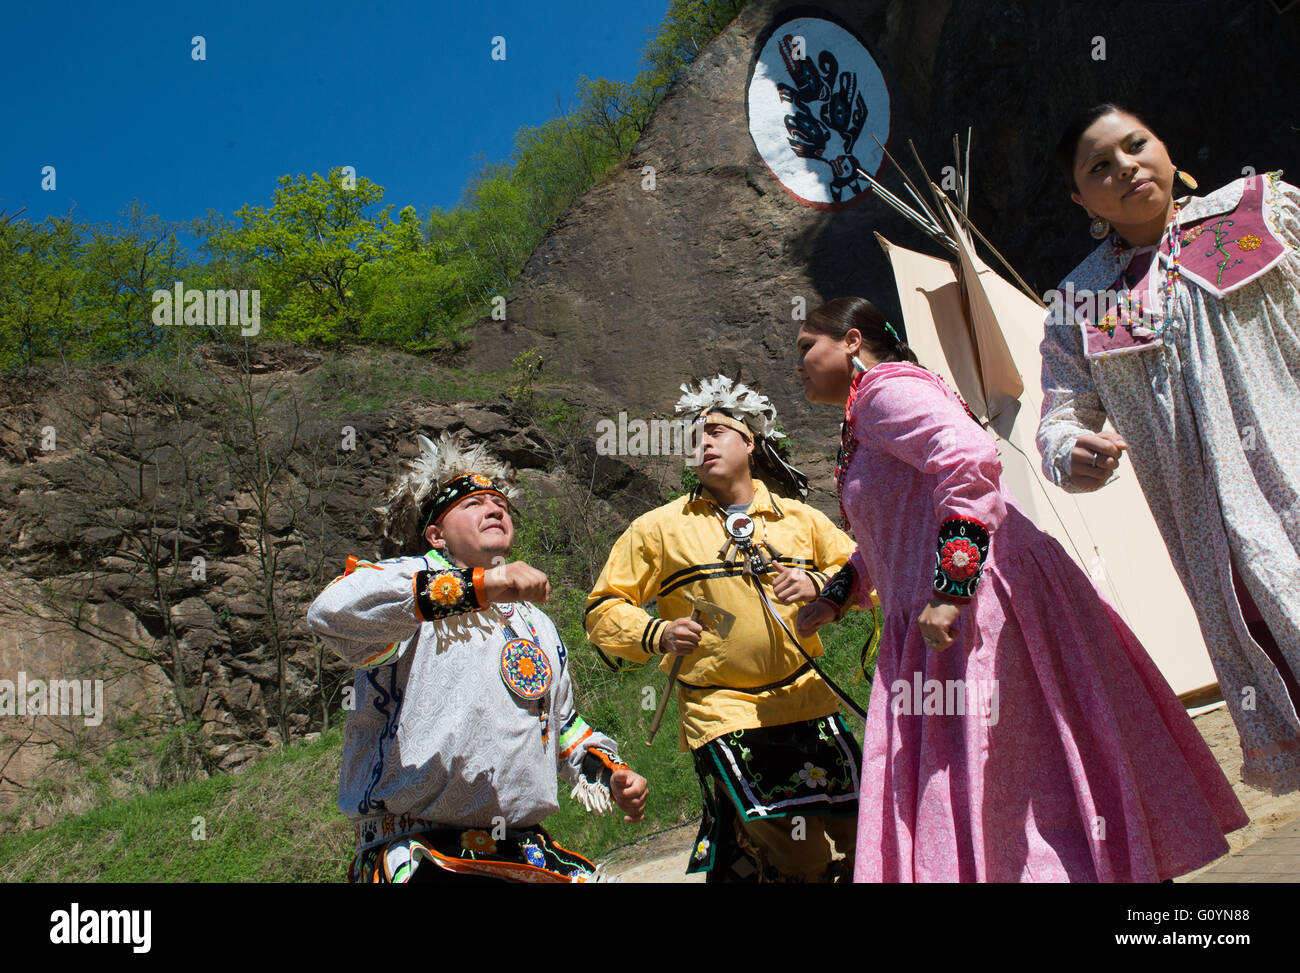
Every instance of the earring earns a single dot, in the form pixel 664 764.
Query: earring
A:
pixel 858 367
pixel 1185 179
pixel 1099 228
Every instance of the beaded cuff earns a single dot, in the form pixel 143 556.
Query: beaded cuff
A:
pixel 440 594
pixel 839 590
pixel 598 765
pixel 594 777
pixel 959 561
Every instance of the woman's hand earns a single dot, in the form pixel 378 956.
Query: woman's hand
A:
pixel 1094 458
pixel 936 619
pixel 813 616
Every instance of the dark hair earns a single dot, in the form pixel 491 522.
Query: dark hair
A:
pixel 836 318
pixel 1073 134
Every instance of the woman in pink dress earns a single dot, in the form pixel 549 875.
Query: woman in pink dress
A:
pixel 1017 730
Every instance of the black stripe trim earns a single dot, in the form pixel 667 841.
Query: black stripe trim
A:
pixel 601 601
pixel 694 567
pixel 614 665
pixel 645 634
pixel 735 571
pixel 658 633
pixel 799 562
pixel 754 689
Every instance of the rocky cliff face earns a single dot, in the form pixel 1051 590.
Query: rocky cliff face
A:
pixel 243 464
pixel 637 289
pixel 164 527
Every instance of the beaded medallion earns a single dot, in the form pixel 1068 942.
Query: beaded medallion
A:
pixel 525 669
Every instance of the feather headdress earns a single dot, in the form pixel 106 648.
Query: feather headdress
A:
pixel 756 411
pixel 437 467
pixel 736 399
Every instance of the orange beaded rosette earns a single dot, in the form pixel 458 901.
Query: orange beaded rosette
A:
pixel 478 841
pixel 525 669
pixel 445 589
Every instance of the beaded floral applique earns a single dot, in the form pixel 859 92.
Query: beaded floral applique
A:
pixel 962 552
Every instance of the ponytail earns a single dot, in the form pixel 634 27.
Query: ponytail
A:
pixel 844 314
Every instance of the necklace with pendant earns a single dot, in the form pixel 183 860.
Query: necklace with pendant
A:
pixel 848 446
pixel 739 527
pixel 1134 310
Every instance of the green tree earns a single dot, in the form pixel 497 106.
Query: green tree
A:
pixel 122 265
pixel 554 165
pixel 308 251
pixel 613 113
pixel 39 287
pixel 411 299
pixel 688 26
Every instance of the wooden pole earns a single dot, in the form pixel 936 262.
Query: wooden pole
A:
pixel 663 702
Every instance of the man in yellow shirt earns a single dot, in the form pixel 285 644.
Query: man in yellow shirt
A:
pixel 777 766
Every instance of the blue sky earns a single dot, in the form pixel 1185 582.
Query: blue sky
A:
pixel 409 94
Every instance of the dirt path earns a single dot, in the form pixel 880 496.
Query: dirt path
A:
pixel 1267 812
pixel 662 857
pixel 659 858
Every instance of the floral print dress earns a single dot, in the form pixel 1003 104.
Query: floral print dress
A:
pixel 1208 408
pixel 1043 744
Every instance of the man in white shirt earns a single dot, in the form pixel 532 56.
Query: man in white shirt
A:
pixel 463 705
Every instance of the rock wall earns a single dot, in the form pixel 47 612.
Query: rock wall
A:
pixel 137 540
pixel 633 291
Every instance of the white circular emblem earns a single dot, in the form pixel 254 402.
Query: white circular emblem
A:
pixel 816 97
pixel 740 526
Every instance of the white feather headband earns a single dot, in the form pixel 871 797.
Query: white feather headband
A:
pixel 733 398
pixel 436 465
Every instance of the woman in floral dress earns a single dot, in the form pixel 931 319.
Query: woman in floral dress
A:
pixel 1017 731
pixel 1183 329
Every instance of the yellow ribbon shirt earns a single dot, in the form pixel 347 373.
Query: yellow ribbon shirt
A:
pixel 673 551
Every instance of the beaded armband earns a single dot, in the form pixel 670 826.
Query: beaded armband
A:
pixel 959 561
pixel 598 765
pixel 839 590
pixel 440 594
pixel 594 776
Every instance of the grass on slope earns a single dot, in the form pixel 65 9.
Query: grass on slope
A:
pixel 277 820
pixel 371 380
